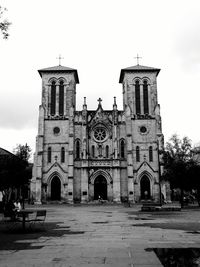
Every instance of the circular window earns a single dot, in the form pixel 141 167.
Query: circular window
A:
pixel 99 134
pixel 56 130
pixel 143 129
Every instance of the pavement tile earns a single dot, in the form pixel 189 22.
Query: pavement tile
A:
pixel 116 243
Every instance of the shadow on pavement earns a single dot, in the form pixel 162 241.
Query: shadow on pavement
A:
pixel 188 257
pixel 20 240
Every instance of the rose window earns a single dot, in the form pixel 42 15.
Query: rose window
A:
pixel 99 134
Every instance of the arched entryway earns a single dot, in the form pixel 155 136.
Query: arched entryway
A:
pixel 145 187
pixel 55 188
pixel 100 187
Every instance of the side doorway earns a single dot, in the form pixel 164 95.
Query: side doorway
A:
pixel 55 188
pixel 145 189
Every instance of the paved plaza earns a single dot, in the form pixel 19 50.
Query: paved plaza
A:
pixel 99 236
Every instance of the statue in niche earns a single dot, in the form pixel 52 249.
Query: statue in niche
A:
pixel 100 150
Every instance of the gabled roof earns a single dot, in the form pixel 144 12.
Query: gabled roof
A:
pixel 137 68
pixel 4 152
pixel 59 68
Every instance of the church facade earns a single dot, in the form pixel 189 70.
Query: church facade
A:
pixel 85 155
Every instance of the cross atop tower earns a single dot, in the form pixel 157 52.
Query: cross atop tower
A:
pixel 137 59
pixel 59 58
pixel 99 101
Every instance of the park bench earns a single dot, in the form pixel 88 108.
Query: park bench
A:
pixel 151 206
pixel 30 216
pixel 39 218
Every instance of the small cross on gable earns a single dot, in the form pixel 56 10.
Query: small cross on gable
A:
pixel 99 101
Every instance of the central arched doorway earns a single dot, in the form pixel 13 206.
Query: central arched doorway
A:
pixel 100 188
pixel 55 188
pixel 145 188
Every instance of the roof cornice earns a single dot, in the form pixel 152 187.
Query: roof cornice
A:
pixel 137 68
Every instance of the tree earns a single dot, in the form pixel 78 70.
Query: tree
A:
pixel 4 23
pixel 177 161
pixel 23 152
pixel 194 177
pixel 11 168
pixel 15 171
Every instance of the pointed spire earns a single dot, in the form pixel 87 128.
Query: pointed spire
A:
pixel 84 103
pixel 114 105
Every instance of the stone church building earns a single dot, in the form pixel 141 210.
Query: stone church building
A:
pixel 86 154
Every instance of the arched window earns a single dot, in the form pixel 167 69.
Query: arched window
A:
pixel 137 153
pixel 145 97
pixel 150 154
pixel 49 155
pixel 122 149
pixel 77 149
pixel 93 151
pixel 61 98
pixel 137 97
pixel 107 151
pixel 62 155
pixel 53 98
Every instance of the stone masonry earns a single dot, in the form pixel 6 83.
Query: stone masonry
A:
pixel 87 155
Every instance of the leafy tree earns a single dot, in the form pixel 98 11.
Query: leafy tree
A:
pixel 15 171
pixel 177 161
pixel 4 23
pixel 11 168
pixel 23 152
pixel 194 177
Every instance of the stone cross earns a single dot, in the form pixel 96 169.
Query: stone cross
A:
pixel 59 58
pixel 137 59
pixel 99 100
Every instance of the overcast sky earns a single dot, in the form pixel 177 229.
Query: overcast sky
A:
pixel 99 38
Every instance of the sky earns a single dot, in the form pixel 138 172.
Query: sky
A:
pixel 99 38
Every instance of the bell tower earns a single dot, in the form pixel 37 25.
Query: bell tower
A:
pixel 143 130
pixel 53 159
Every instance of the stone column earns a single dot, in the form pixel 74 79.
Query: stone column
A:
pixel 129 155
pixel 71 155
pixel 115 141
pixel 45 98
pixel 38 191
pixel 65 98
pixel 38 160
pixel 116 185
pixel 38 180
pixel 84 184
